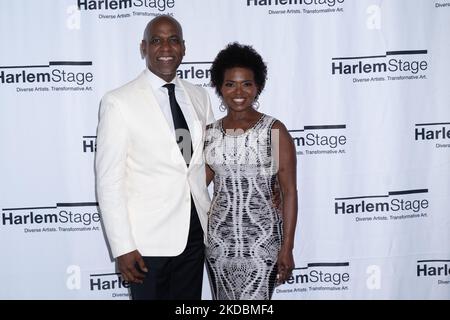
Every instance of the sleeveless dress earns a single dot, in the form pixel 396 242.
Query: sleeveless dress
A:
pixel 244 227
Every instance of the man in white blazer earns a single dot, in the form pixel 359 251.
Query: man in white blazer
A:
pixel 153 201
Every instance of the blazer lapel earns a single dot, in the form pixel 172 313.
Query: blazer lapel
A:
pixel 155 114
pixel 196 128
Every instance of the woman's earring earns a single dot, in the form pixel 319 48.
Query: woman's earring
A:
pixel 256 104
pixel 222 106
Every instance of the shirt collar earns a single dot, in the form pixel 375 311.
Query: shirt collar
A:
pixel 156 82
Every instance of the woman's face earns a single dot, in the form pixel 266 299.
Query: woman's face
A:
pixel 239 89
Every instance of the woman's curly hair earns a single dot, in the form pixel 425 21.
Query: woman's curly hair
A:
pixel 236 55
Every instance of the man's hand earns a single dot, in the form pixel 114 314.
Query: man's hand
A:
pixel 128 263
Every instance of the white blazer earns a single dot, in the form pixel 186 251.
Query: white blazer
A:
pixel 143 184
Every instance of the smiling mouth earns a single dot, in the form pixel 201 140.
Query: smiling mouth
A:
pixel 238 100
pixel 165 59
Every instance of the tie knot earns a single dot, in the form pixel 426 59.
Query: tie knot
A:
pixel 170 87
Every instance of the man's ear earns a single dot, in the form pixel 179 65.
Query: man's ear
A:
pixel 143 49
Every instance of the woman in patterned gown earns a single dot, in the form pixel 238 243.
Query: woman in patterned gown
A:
pixel 250 156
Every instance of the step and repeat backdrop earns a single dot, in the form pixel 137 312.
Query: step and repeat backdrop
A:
pixel 362 85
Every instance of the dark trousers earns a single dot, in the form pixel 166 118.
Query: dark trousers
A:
pixel 175 278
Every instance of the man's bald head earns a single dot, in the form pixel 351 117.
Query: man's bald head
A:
pixel 168 18
pixel 163 46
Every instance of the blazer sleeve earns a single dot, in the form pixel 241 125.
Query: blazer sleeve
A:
pixel 110 166
pixel 209 113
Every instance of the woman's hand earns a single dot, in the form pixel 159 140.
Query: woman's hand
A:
pixel 285 265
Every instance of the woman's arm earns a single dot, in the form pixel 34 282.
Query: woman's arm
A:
pixel 209 174
pixel 284 150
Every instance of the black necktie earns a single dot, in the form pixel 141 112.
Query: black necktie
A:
pixel 182 133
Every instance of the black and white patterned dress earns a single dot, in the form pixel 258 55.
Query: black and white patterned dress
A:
pixel 244 228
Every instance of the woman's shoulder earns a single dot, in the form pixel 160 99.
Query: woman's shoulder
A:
pixel 214 125
pixel 272 122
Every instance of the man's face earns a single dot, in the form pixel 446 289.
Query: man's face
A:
pixel 163 48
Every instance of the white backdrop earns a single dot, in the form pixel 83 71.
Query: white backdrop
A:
pixel 361 84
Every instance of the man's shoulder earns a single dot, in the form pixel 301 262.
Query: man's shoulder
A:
pixel 125 89
pixel 193 88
